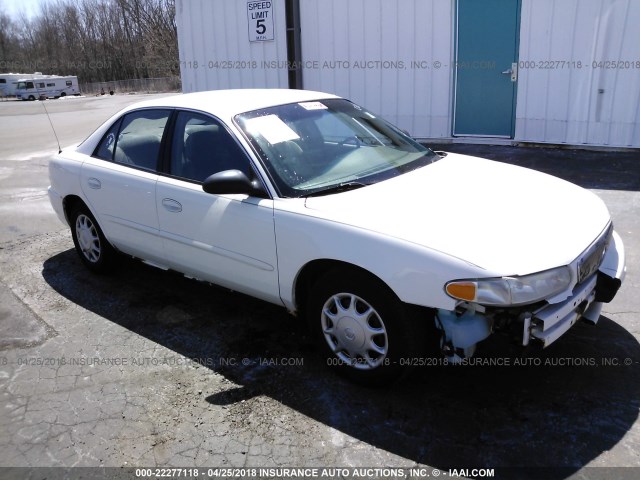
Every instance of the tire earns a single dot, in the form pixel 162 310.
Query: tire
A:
pixel 63 94
pixel 94 250
pixel 361 327
pixel 31 98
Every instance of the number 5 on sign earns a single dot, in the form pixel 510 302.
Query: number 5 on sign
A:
pixel 260 18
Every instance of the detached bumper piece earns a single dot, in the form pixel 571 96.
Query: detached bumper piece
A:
pixel 552 321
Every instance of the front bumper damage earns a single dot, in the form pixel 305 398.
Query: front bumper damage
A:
pixel 542 323
pixel 551 321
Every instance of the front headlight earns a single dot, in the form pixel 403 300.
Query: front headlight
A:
pixel 510 291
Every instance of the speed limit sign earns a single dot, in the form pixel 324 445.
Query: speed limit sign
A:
pixel 260 16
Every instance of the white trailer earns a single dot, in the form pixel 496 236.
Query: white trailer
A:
pixel 9 82
pixel 47 86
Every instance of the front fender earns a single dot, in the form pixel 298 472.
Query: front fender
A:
pixel 416 274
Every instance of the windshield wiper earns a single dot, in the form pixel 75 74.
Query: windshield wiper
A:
pixel 339 188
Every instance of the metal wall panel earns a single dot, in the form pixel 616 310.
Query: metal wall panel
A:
pixel 575 102
pixel 211 31
pixel 414 96
pixel 579 101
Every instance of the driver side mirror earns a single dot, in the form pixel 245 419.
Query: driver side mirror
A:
pixel 233 182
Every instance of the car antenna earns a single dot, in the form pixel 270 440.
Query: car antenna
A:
pixel 51 123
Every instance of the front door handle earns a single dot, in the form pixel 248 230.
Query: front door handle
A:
pixel 171 205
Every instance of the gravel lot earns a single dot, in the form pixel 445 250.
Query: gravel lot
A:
pixel 147 368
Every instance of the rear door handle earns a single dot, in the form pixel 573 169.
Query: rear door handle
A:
pixel 171 205
pixel 94 183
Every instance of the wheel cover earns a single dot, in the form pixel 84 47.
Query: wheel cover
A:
pixel 88 238
pixel 354 331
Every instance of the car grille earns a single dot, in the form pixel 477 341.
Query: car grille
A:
pixel 592 258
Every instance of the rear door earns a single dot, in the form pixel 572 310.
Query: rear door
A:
pixel 119 181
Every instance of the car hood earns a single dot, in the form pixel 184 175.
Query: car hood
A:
pixel 504 219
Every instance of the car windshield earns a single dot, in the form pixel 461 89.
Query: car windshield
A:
pixel 310 148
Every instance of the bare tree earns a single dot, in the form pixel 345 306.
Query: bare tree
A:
pixel 98 40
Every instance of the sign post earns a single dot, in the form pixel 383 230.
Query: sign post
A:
pixel 260 18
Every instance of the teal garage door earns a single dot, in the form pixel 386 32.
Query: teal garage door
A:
pixel 486 67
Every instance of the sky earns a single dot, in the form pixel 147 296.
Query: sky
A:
pixel 14 7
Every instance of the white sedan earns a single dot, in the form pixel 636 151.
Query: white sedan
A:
pixel 306 200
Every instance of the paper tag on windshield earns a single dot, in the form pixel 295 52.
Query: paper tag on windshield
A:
pixel 313 106
pixel 272 129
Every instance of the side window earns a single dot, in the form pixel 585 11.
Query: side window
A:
pixel 138 143
pixel 69 83
pixel 106 147
pixel 202 146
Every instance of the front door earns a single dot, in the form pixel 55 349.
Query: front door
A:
pixel 486 68
pixel 228 240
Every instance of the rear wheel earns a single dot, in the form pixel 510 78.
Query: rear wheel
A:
pixel 92 246
pixel 363 330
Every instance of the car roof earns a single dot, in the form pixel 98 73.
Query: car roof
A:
pixel 228 103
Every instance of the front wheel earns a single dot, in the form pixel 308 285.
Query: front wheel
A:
pixel 363 330
pixel 91 245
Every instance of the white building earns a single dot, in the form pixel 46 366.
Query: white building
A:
pixel 541 71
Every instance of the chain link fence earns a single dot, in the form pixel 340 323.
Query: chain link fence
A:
pixel 137 85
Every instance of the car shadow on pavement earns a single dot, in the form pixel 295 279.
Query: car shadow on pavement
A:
pixel 593 169
pixel 561 407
